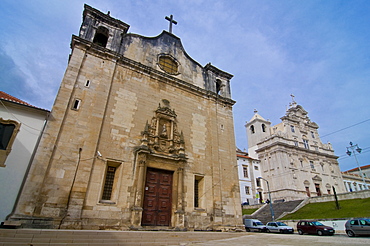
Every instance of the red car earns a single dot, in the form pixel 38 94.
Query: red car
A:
pixel 314 227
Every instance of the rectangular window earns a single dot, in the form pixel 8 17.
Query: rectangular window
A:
pixel 296 143
pixel 76 104
pixel 256 168
pixel 305 143
pixel 6 132
pixel 245 171
pixel 110 189
pixel 292 128
pixel 108 184
pixel 198 188
pixel 247 190
pixel 312 134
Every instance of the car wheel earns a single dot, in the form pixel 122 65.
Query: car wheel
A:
pixel 319 232
pixel 247 229
pixel 267 230
pixel 300 232
pixel 350 233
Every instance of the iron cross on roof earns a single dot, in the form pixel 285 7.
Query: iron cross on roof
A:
pixel 171 20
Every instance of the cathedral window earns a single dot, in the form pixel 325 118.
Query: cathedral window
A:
pixel 263 128
pixel 252 129
pixel 245 171
pixel 312 165
pixel 168 64
pixel 8 132
pixel 312 134
pixel 108 184
pixel 305 143
pixel 76 104
pixel 101 36
pixel 256 168
pixel 109 192
pixel 87 84
pixel 292 128
pixel 198 187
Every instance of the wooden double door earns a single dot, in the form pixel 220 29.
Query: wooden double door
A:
pixel 157 198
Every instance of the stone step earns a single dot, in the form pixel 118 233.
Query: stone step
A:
pixel 35 237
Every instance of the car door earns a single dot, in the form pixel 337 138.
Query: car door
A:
pixel 272 227
pixel 354 226
pixel 311 228
pixel 363 227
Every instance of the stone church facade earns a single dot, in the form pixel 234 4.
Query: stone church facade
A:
pixel 293 159
pixel 141 136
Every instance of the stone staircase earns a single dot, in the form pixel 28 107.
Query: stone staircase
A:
pixel 264 215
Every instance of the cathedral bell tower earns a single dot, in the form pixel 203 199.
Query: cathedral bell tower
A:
pixel 257 129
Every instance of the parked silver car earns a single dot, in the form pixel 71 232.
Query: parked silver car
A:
pixel 278 227
pixel 356 227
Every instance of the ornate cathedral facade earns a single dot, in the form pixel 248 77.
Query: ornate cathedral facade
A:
pixel 293 159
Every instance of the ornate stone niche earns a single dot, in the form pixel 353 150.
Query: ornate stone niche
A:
pixel 161 135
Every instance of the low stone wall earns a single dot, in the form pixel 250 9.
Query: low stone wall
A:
pixel 252 206
pixel 343 196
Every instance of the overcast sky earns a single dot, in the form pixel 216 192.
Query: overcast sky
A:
pixel 317 50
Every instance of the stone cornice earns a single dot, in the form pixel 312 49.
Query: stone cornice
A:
pixel 106 17
pixel 137 66
pixel 285 145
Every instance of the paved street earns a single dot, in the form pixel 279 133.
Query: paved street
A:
pixel 23 237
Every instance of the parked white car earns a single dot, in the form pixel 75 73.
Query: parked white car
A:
pixel 278 227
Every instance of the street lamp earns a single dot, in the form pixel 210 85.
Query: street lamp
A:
pixel 271 208
pixel 351 149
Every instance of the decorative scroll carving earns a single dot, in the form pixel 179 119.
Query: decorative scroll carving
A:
pixel 161 135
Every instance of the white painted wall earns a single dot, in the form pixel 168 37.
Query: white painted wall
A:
pixel 11 176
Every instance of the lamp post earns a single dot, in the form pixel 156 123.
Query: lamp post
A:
pixel 270 203
pixel 351 149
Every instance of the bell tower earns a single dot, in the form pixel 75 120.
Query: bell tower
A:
pixel 102 29
pixel 257 129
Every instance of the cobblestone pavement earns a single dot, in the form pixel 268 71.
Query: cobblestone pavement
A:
pixel 28 237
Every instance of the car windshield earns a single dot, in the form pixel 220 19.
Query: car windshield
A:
pixel 259 223
pixel 317 223
pixel 280 224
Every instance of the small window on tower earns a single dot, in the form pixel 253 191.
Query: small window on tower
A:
pixel 263 128
pixel 168 64
pixel 76 104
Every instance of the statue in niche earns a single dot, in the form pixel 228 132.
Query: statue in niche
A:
pixel 164 131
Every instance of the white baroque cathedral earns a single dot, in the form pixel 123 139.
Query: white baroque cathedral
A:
pixel 141 136
pixel 293 159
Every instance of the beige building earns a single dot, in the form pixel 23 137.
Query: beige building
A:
pixel 293 159
pixel 141 137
